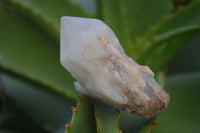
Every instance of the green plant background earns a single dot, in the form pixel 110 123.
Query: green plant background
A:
pixel 37 93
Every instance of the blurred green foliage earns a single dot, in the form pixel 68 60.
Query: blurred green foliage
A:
pixel 37 93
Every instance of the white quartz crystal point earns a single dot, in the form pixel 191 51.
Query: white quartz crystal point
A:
pixel 91 52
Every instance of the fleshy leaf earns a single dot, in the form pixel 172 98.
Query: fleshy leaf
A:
pixel 182 114
pixel 159 44
pixel 131 123
pixel 190 53
pixel 131 18
pixel 183 108
pixel 107 118
pixel 50 112
pixel 26 52
pixel 83 117
pixel 47 13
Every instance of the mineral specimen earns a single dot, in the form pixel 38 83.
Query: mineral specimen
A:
pixel 91 52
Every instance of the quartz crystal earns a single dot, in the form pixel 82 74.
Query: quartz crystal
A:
pixel 91 52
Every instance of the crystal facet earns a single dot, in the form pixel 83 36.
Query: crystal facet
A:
pixel 91 52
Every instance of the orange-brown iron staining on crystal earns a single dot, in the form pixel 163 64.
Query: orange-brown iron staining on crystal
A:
pixel 105 72
pixel 99 37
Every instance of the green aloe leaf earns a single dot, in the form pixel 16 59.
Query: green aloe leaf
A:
pixel 187 58
pixel 46 110
pixel 182 111
pixel 27 53
pixel 47 13
pixel 182 114
pixel 159 44
pixel 131 18
pixel 160 59
pixel 131 123
pixel 83 117
pixel 107 118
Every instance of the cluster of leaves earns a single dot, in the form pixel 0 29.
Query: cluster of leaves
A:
pixel 151 32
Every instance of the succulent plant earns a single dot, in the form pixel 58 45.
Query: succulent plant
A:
pixel 151 32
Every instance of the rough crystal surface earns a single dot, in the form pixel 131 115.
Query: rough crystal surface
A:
pixel 91 52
